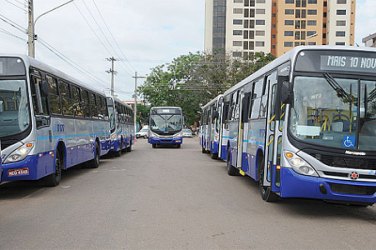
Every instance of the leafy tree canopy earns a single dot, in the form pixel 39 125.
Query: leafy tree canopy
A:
pixel 192 80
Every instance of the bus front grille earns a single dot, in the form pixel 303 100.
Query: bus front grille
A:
pixel 346 162
pixel 352 189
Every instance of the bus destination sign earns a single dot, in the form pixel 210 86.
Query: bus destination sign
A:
pixel 348 63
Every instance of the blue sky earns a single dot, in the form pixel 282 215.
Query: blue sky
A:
pixel 148 33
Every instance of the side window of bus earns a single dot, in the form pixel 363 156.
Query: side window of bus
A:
pixel 98 107
pixel 39 99
pixel 104 110
pixel 53 95
pixel 235 106
pixel 93 106
pixel 264 99
pixel 256 99
pixel 67 103
pixel 76 98
pixel 225 111
pixel 86 103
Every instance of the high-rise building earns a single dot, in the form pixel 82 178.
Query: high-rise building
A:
pixel 238 27
pixel 370 41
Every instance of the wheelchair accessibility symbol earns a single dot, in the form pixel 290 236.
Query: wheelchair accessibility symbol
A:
pixel 349 141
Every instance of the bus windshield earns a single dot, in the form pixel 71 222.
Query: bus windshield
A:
pixel 334 112
pixel 14 108
pixel 166 124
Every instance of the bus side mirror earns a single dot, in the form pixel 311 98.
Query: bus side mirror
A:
pixel 286 94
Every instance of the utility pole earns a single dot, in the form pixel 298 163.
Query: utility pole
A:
pixel 30 30
pixel 135 99
pixel 112 72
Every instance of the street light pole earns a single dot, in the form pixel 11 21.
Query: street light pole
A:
pixel 135 100
pixel 31 25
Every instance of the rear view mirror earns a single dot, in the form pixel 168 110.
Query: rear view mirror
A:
pixel 44 88
pixel 215 115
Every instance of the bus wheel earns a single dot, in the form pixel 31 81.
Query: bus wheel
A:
pixel 54 179
pixel 129 149
pixel 266 193
pixel 213 156
pixel 203 150
pixel 154 145
pixel 118 153
pixel 94 163
pixel 178 145
pixel 231 170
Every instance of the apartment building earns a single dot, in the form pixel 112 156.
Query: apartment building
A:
pixel 276 26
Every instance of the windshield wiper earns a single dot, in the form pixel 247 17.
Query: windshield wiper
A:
pixel 340 91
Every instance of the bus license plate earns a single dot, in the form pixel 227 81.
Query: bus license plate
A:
pixel 18 172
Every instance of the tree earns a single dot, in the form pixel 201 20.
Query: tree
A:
pixel 192 80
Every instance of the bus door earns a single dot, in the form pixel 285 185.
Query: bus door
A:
pixel 240 132
pixel 272 138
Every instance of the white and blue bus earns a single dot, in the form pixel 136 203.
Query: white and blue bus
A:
pixel 49 121
pixel 122 126
pixel 210 129
pixel 165 126
pixel 304 126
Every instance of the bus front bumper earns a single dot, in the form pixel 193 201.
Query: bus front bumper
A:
pixel 294 185
pixel 25 169
pixel 165 141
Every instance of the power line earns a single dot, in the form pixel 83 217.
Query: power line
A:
pixel 11 34
pixel 15 5
pixel 12 23
pixel 71 62
pixel 91 28
pixel 109 31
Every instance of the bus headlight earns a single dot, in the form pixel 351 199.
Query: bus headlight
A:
pixel 20 153
pixel 299 165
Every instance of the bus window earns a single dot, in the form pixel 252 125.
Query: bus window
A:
pixel 76 98
pixel 256 99
pixel 53 96
pixel 86 103
pixel 39 100
pixel 93 106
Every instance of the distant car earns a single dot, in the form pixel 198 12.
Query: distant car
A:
pixel 187 132
pixel 143 133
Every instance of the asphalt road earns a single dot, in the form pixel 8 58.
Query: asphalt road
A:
pixel 170 198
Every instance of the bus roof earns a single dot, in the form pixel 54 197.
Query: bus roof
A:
pixel 290 56
pixel 29 61
pixel 212 101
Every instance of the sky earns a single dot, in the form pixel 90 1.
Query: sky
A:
pixel 140 34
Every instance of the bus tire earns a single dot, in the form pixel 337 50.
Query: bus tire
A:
pixel 94 163
pixel 213 156
pixel 129 149
pixel 54 179
pixel 231 170
pixel 118 153
pixel 178 145
pixel 266 192
pixel 154 145
pixel 203 150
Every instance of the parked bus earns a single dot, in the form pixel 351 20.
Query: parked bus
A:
pixel 49 121
pixel 165 126
pixel 122 126
pixel 304 126
pixel 210 140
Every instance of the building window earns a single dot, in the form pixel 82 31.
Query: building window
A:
pixel 260 32
pixel 245 34
pixel 238 1
pixel 311 22
pixel 246 12
pixel 260 22
pixel 340 43
pixel 340 33
pixel 246 24
pixel 311 33
pixel 238 11
pixel 237 22
pixel 237 54
pixel 260 44
pixel 260 1
pixel 237 43
pixel 341 12
pixel 312 12
pixel 260 11
pixel 289 12
pixel 237 32
pixel 289 33
pixel 312 1
pixel 288 44
pixel 289 22
pixel 311 43
pixel 341 23
pixel 251 45
pixel 245 45
pixel 341 1
pixel 297 14
pixel 289 1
